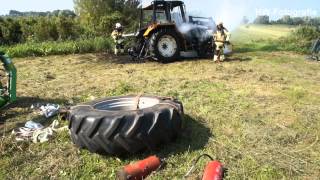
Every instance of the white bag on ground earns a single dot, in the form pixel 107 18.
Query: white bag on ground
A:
pixel 50 110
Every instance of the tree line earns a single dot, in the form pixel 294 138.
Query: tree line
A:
pixel 91 18
pixel 15 30
pixel 288 20
pixel 14 13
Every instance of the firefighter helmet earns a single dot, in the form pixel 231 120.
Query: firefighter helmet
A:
pixel 118 26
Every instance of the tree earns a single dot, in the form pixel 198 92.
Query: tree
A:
pixel 262 20
pixel 131 7
pixel 66 27
pixel 67 13
pixel 245 20
pixel 92 11
pixel 297 21
pixel 101 15
pixel 11 31
pixel 45 29
pixel 2 42
pixel 15 13
pixel 27 28
pixel 286 20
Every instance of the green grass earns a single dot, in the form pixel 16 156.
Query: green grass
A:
pixel 301 39
pixel 261 32
pixel 252 38
pixel 270 38
pixel 258 114
pixel 98 44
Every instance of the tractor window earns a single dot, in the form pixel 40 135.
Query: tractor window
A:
pixel 176 15
pixel 147 17
pixel 161 17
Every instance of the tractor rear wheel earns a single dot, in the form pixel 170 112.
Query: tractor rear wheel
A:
pixel 126 124
pixel 164 45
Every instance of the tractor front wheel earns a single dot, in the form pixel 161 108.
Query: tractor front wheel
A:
pixel 164 45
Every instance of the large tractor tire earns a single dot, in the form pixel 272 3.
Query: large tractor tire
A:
pixel 165 45
pixel 127 124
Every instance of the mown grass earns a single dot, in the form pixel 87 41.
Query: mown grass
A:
pixel 257 113
pixel 249 33
pixel 80 46
pixel 270 38
pixel 252 38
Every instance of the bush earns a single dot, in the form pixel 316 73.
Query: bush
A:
pixel 262 20
pixel 301 39
pixel 45 30
pixel 10 31
pixel 58 48
pixel 17 30
pixel 67 28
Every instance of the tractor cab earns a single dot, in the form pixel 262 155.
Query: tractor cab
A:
pixel 163 12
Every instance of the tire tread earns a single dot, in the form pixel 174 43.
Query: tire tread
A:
pixel 128 133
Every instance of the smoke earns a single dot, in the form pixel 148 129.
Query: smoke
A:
pixel 231 12
pixel 195 32
pixel 185 28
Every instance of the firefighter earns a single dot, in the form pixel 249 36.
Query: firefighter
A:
pixel 220 37
pixel 117 35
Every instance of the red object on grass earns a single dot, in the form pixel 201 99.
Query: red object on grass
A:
pixel 140 170
pixel 213 171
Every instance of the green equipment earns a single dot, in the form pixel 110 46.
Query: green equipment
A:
pixel 7 90
pixel 315 50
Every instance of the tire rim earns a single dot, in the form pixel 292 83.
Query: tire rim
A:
pixel 167 46
pixel 127 104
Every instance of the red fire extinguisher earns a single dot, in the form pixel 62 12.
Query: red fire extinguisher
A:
pixel 141 169
pixel 213 171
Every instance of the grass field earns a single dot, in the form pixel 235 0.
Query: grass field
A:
pixel 261 32
pixel 80 46
pixel 260 37
pixel 258 113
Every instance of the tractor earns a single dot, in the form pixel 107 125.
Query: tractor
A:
pixel 7 81
pixel 167 34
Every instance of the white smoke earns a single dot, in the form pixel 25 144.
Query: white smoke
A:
pixel 185 28
pixel 202 33
pixel 231 12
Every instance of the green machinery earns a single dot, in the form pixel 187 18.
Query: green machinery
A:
pixel 315 50
pixel 8 90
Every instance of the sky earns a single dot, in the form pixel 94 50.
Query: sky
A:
pixel 229 11
pixel 34 5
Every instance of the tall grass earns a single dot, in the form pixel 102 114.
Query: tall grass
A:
pixel 259 38
pixel 97 44
pixel 300 40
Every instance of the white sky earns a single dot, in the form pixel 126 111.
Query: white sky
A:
pixel 229 11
